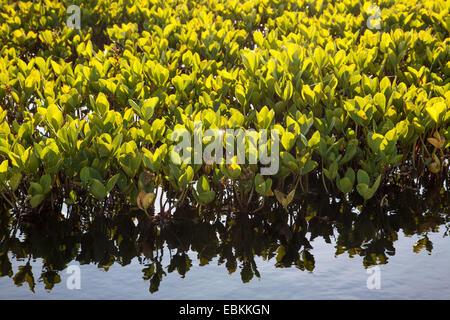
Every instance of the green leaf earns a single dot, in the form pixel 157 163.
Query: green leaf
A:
pixel 264 117
pixel 97 189
pixel 250 60
pixel 363 177
pixel 55 117
pixel 102 103
pixel 236 119
pixel 290 197
pixel 287 93
pixel 260 185
pixel 205 194
pixel 240 95
pixel 436 110
pixel 15 180
pixel 232 171
pixel 344 184
pixel 315 139
pixel 283 199
pixel 4 166
pixel 319 57
pixel 149 107
pixel 46 183
pixel 281 252
pixel 364 190
pixel 186 177
pixel 130 163
pixel 56 67
pixel 376 184
pixel 88 173
pixel 289 160
pixel 35 189
pixel 332 171
pixel 203 184
pixel 308 166
pixel 112 182
pixel 380 101
pixel 288 140
pixel 157 130
pixel 161 75
pixel 206 197
pixel 135 108
pixel 36 200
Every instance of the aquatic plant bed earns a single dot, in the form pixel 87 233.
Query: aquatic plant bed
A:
pixel 95 98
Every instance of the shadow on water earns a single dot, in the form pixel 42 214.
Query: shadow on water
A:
pixel 116 233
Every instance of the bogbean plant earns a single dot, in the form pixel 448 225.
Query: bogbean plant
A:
pixel 92 110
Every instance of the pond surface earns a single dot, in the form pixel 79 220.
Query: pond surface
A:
pixel 323 249
pixel 408 275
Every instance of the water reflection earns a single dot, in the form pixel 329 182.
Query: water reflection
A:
pixel 116 233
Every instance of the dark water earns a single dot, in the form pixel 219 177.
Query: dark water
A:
pixel 320 249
